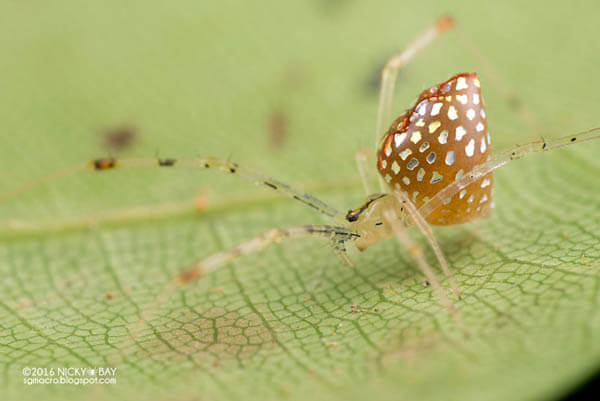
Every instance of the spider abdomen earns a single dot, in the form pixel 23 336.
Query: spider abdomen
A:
pixel 443 136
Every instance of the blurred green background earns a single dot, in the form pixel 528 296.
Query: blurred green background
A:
pixel 290 89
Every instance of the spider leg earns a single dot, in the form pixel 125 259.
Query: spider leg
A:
pixel 527 115
pixel 500 160
pixel 426 230
pixel 62 173
pixel 362 164
pixel 390 73
pixel 416 252
pixel 197 163
pixel 336 235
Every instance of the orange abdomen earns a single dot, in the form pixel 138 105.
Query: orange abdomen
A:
pixel 443 136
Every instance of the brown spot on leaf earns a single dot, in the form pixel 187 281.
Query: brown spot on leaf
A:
pixel 278 126
pixel 119 138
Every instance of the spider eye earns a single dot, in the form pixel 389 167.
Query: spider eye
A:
pixel 351 216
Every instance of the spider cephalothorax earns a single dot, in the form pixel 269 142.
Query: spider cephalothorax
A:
pixel 369 222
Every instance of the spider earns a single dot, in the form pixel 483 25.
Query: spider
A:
pixel 435 159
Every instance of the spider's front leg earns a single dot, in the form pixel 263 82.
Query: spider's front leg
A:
pixel 416 252
pixel 419 220
pixel 390 73
pixel 373 222
pixel 204 163
pixel 362 164
pixel 393 66
pixel 500 160
pixel 337 236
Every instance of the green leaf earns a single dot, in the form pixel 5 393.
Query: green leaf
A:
pixel 87 261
